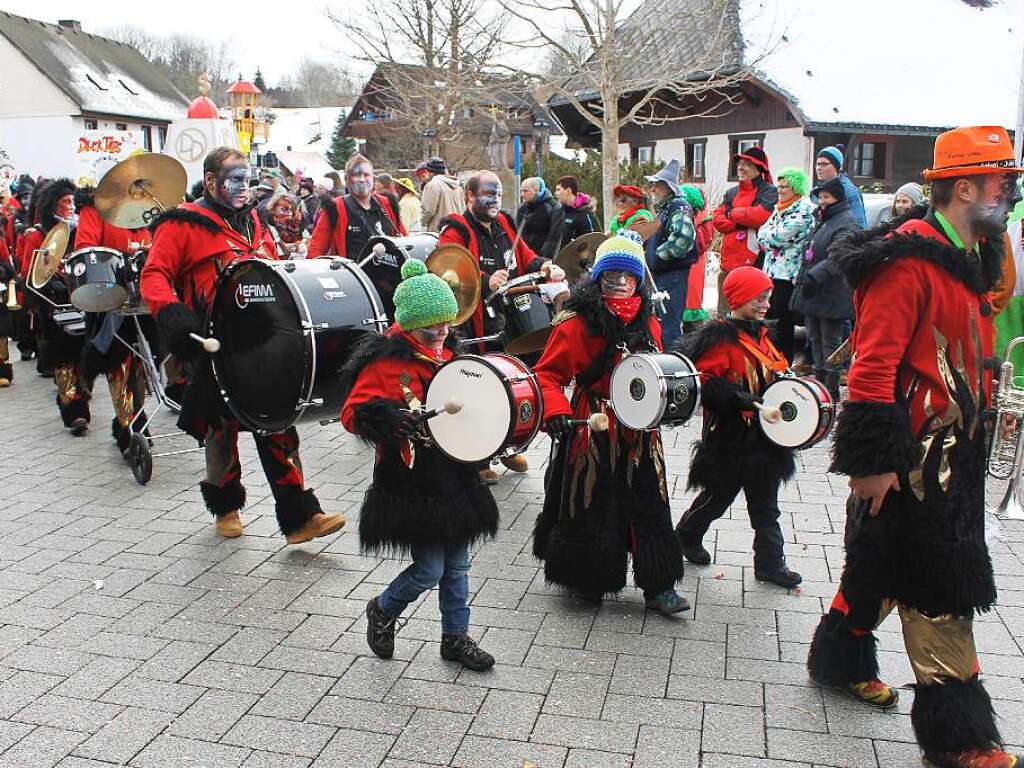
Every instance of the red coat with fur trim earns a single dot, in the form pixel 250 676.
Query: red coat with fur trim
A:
pixel 190 244
pixel 94 231
pixel 329 232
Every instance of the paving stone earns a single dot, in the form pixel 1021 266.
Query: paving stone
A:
pixel 432 736
pixel 794 707
pixel 659 747
pixel 125 735
pixel 368 678
pixel 137 691
pixel 293 696
pixel 645 710
pixel 11 733
pixel 585 734
pixel 212 715
pixel 732 729
pixel 353 747
pixel 576 694
pixel 43 748
pixel 360 715
pixel 275 760
pixel 21 689
pixel 821 749
pixel 507 715
pixel 175 660
pixel 69 714
pixel 435 695
pixel 304 739
pixel 645 675
pixel 172 751
pixel 482 752
pixel 233 677
pixel 95 679
pixel 588 758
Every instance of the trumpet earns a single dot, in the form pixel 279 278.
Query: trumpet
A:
pixel 1006 454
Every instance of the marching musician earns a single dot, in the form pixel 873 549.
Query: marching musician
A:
pixel 7 275
pixel 737 361
pixel 606 493
pixel 489 233
pixel 912 438
pixel 102 353
pixel 191 245
pixel 346 224
pixel 58 350
pixel 420 502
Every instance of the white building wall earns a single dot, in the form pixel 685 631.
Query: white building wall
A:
pixel 25 91
pixel 39 145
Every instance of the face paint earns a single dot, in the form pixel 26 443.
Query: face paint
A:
pixel 433 336
pixel 233 186
pixel 65 208
pixel 360 180
pixel 487 202
pixel 617 284
pixel 999 195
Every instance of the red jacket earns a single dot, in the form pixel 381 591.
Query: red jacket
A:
pixel 695 283
pixel 455 229
pixel 190 244
pixel 93 231
pixel 329 232
pixel 29 241
pixel 10 236
pixel 744 208
pixel 737 364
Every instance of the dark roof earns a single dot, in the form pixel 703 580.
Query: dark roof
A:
pixel 98 74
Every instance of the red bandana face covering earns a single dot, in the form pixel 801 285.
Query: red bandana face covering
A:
pixel 624 308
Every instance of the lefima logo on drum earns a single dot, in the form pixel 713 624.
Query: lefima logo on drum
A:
pixel 253 293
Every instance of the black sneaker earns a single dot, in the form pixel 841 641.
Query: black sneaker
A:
pixel 463 649
pixel 782 577
pixel 380 630
pixel 668 602
pixel 695 553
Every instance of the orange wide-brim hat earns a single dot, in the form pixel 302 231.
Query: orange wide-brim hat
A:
pixel 971 151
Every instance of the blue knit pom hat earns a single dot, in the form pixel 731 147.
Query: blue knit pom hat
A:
pixel 623 252
pixel 834 155
pixel 422 298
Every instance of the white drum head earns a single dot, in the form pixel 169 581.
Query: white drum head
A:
pixel 801 415
pixel 479 430
pixel 636 392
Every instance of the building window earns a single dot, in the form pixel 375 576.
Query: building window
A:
pixel 90 124
pixel 147 138
pixel 162 133
pixel 869 160
pixel 120 126
pixel 695 153
pixel 641 154
pixel 740 144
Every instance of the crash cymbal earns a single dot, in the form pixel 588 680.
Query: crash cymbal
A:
pixel 576 257
pixel 457 267
pixel 533 341
pixel 140 188
pixel 47 258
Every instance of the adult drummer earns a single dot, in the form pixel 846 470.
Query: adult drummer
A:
pixel 347 223
pixel 490 235
pixel 103 353
pixel 191 244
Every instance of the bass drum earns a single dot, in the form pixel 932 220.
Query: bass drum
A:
pixel 382 261
pixel 653 390
pixel 286 329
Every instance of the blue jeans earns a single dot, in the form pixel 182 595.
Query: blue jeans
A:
pixel 672 318
pixel 434 565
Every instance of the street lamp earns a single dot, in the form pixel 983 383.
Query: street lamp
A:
pixel 429 139
pixel 541 131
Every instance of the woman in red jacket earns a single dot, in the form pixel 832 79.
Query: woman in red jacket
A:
pixel 744 209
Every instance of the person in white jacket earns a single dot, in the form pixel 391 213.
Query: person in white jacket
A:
pixel 442 195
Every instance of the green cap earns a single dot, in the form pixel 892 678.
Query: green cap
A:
pixel 422 298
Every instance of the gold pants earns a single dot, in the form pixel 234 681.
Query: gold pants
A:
pixel 124 383
pixel 941 648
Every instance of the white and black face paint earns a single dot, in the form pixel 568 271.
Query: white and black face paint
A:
pixel 233 186
pixel 360 180
pixel 487 201
pixel 618 284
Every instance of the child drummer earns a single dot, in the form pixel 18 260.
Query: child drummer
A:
pixel 419 502
pixel 737 362
pixel 606 494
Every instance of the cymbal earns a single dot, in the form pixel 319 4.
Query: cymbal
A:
pixel 47 258
pixel 140 188
pixel 576 257
pixel 457 267
pixel 533 341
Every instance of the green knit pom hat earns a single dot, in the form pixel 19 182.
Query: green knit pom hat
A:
pixel 422 298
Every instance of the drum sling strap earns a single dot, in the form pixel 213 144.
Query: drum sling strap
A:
pixel 773 360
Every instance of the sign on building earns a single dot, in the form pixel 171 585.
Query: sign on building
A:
pixel 96 152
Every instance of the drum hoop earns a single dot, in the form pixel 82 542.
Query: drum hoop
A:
pixel 537 391
pixel 521 280
pixel 662 387
pixel 821 409
pixel 93 249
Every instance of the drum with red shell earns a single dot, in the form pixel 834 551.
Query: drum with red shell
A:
pixel 807 412
pixel 502 407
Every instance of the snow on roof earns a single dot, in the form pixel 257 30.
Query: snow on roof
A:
pixel 312 164
pixel 100 75
pixel 934 63
pixel 303 128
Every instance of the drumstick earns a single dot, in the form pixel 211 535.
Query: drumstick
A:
pixel 450 406
pixel 771 414
pixel 210 345
pixel 596 421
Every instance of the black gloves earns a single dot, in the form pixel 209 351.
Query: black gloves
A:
pixel 747 400
pixel 557 426
pixel 175 322
pixel 385 422
pixel 405 425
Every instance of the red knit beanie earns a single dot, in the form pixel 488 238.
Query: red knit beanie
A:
pixel 743 284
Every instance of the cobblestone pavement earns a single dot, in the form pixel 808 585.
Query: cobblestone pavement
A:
pixel 131 634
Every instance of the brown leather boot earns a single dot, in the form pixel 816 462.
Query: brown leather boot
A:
pixel 229 525
pixel 318 525
pixel 515 462
pixel 488 476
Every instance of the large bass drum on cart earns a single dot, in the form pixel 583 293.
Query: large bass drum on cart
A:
pixel 285 329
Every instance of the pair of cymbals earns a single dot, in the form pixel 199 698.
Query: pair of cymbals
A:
pixel 138 189
pixel 457 267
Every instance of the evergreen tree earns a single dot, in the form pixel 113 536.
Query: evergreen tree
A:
pixel 258 81
pixel 342 147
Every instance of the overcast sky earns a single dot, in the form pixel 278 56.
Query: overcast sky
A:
pixel 272 35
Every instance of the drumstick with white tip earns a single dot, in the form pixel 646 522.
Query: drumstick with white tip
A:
pixel 770 413
pixel 596 421
pixel 451 405
pixel 210 344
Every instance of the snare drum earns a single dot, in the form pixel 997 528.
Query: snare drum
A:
pixel 520 305
pixel 95 280
pixel 654 390
pixel 807 412
pixel 502 407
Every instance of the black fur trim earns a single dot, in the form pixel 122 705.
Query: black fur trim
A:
pixel 122 435
pixel 6 371
pixel 837 656
pixel 857 254
pixel 377 420
pixel 954 717
pixel 582 566
pixel 720 394
pixel 874 438
pixel 220 501
pixel 85 197
pixel 186 216
pixel 372 347
pixel 49 195
pixel 457 223
pixel 657 560
pixel 706 336
pixel 175 322
pixel 294 507
pixel 76 409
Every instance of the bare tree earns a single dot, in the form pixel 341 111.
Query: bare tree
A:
pixel 614 74
pixel 322 84
pixel 150 46
pixel 431 56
